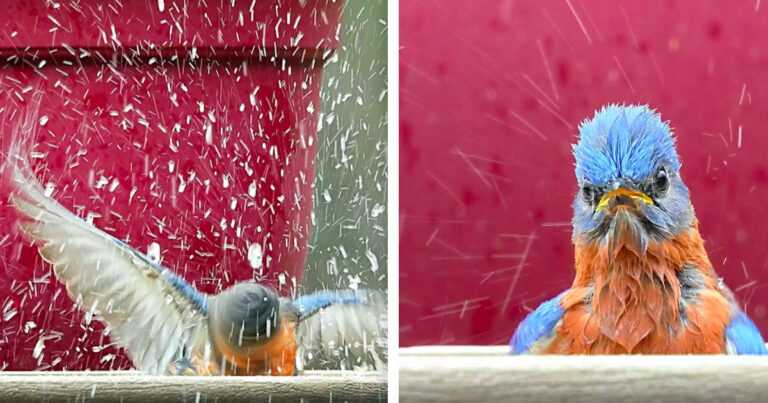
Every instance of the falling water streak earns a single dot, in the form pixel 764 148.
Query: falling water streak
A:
pixel 549 70
pixel 450 248
pixel 516 277
pixel 506 256
pixel 556 224
pixel 505 124
pixel 529 125
pixel 500 195
pixel 472 167
pixel 445 188
pixel 451 305
pixel 744 269
pixel 432 237
pixel 745 286
pixel 515 236
pixel 730 131
pixel 656 67
pixel 488 63
pixel 410 98
pixel 464 257
pixel 632 34
pixel 431 79
pixel 486 159
pixel 579 21
pixel 556 28
pixel 743 93
pixel 624 74
pixel 558 116
pixel 451 312
pixel 541 92
pixel 592 24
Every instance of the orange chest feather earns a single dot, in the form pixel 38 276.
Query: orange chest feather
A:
pixel 276 357
pixel 622 303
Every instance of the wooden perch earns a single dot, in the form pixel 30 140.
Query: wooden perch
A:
pixel 129 386
pixel 489 374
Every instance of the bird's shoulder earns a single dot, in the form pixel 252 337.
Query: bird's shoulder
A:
pixel 742 337
pixel 538 326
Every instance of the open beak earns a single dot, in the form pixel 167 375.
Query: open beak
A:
pixel 616 197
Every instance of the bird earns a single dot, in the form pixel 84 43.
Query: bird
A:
pixel 643 282
pixel 164 324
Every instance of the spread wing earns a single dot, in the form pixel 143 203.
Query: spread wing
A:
pixel 155 315
pixel 537 327
pixel 342 330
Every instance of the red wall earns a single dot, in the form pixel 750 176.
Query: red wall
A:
pixel 204 155
pixel 490 99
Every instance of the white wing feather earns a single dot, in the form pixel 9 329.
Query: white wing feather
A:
pixel 346 336
pixel 150 317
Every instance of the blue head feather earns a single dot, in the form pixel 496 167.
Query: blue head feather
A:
pixel 626 145
pixel 623 142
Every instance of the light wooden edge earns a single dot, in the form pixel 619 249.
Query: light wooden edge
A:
pixel 132 386
pixel 454 350
pixel 490 374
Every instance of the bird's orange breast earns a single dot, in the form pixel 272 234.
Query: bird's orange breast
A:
pixel 622 302
pixel 276 357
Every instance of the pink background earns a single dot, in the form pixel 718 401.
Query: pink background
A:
pixel 126 144
pixel 490 99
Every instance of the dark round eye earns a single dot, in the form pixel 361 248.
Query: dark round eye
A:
pixel 590 194
pixel 661 181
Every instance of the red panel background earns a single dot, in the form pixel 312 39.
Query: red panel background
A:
pixel 490 99
pixel 204 155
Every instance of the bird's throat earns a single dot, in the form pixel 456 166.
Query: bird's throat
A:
pixel 626 234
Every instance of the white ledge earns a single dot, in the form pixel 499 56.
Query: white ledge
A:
pixel 490 374
pixel 130 386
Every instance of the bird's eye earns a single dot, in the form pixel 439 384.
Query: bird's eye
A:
pixel 660 182
pixel 590 194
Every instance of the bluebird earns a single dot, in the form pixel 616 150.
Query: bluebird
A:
pixel 166 326
pixel 643 282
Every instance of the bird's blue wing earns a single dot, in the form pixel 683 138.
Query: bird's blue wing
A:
pixel 151 312
pixel 307 305
pixel 743 337
pixel 342 329
pixel 537 325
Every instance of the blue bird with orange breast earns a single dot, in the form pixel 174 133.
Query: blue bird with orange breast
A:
pixel 165 325
pixel 644 283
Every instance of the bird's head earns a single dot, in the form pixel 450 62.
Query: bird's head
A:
pixel 244 316
pixel 628 172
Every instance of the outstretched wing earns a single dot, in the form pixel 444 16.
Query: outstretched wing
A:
pixel 537 327
pixel 155 315
pixel 342 330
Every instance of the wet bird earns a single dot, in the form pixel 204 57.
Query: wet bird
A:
pixel 643 283
pixel 166 326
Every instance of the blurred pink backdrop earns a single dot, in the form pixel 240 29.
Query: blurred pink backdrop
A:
pixel 490 100
pixel 199 109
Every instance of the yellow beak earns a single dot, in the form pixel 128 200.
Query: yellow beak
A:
pixel 635 195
